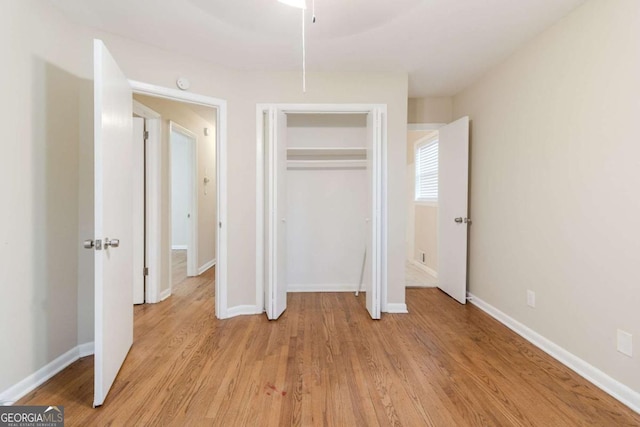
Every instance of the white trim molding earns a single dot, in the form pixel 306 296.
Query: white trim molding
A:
pixel 243 310
pixel 206 266
pixel 179 247
pixel 27 385
pixel 611 386
pixel 396 308
pixel 424 268
pixel 165 294
pixel 86 349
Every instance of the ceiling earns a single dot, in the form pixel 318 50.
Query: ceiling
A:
pixel 444 45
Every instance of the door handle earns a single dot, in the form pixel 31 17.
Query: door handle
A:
pixel 458 220
pixel 114 243
pixel 90 244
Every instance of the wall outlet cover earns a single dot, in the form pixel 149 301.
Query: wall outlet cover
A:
pixel 625 343
pixel 531 298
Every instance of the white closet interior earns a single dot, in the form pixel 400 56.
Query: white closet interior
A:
pixel 327 201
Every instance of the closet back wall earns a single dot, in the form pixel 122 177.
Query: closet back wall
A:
pixel 326 229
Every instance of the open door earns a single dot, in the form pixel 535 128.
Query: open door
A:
pixel 138 143
pixel 453 190
pixel 113 220
pixel 372 274
pixel 276 209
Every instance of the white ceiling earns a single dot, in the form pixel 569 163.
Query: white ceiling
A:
pixel 444 45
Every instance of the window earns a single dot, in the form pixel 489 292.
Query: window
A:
pixel 427 172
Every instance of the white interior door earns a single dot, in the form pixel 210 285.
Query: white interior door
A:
pixel 113 220
pixel 453 190
pixel 372 276
pixel 138 209
pixel 184 196
pixel 276 208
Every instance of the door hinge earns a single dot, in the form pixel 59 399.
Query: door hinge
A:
pixel 146 271
pixel 146 135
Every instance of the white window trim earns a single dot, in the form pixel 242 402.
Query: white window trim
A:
pixel 419 143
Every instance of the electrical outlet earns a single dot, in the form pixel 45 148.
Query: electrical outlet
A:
pixel 531 299
pixel 625 343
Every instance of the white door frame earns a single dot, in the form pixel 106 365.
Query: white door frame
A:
pixel 152 241
pixel 154 161
pixel 260 196
pixel 139 196
pixel 192 231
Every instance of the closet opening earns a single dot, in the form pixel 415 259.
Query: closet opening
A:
pixel 327 196
pixel 322 211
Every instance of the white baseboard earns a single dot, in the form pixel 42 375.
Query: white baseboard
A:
pixel 424 268
pixel 243 310
pixel 615 388
pixel 165 294
pixel 86 349
pixel 179 247
pixel 206 266
pixel 22 388
pixel 396 308
pixel 333 287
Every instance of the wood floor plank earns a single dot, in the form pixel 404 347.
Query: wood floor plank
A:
pixel 325 362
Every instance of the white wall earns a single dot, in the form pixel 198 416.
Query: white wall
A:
pixel 326 208
pixel 426 236
pixel 46 159
pixel 555 172
pixel 180 189
pixel 324 130
pixel 430 110
pixel 43 94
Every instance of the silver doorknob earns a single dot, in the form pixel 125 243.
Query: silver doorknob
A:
pixel 458 220
pixel 88 244
pixel 114 243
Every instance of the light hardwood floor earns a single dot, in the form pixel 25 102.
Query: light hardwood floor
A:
pixel 417 278
pixel 178 266
pixel 325 363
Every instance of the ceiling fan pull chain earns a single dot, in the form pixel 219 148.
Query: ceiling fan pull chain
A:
pixel 313 10
pixel 304 57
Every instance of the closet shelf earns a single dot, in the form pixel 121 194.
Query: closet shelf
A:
pixel 326 164
pixel 327 153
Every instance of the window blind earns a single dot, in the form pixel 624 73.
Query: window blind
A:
pixel 427 172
